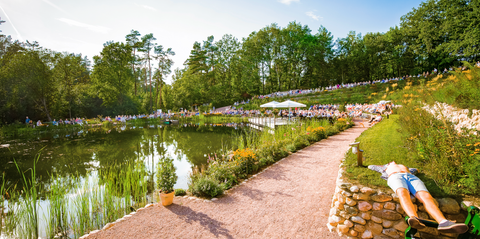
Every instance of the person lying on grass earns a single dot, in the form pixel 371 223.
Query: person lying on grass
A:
pixel 403 182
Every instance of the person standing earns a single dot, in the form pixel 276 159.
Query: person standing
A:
pixel 27 121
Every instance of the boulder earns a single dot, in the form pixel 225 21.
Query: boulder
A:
pixel 343 229
pixel 358 220
pixel 364 206
pixel 377 206
pixel 387 214
pixel 381 197
pixel 367 190
pixel 401 225
pixel 375 228
pixel 389 206
pixel 366 215
pixel 387 223
pixel 359 228
pixel 390 232
pixel 354 189
pixel 376 219
pixel 361 196
pixel 367 234
pixel 350 202
pixel 448 205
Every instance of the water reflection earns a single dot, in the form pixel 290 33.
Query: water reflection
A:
pixel 77 153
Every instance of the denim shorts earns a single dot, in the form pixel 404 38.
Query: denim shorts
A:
pixel 406 180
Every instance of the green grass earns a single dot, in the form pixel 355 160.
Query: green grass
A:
pixel 383 143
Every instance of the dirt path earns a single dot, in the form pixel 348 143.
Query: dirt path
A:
pixel 290 199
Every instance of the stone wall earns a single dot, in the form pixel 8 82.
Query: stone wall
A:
pixel 362 212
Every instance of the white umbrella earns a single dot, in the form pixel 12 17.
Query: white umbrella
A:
pixel 289 103
pixel 272 104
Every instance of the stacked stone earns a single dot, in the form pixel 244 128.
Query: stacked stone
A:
pixel 361 212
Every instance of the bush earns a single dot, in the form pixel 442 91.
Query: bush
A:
pixel 166 176
pixel 204 186
pixel 180 192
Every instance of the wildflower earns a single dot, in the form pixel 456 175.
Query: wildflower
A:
pixel 469 144
pixel 308 132
pixel 293 128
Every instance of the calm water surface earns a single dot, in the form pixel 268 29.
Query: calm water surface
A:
pixel 79 152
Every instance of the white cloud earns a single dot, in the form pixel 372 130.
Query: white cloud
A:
pixel 84 25
pixel 55 6
pixel 312 15
pixel 287 2
pixel 149 8
pixel 11 23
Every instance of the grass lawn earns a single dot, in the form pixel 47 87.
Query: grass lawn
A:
pixel 383 143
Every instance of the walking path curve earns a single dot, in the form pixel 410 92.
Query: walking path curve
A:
pixel 290 199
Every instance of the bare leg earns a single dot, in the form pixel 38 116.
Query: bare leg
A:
pixel 427 200
pixel 406 202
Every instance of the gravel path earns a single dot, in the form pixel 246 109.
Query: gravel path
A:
pixel 290 199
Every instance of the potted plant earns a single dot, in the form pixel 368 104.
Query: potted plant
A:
pixel 166 179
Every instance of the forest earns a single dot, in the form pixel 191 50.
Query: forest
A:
pixel 130 77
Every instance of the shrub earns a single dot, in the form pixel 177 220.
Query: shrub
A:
pixel 291 148
pixel 166 176
pixel 180 192
pixel 204 186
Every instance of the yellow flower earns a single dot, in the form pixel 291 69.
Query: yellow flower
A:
pixel 469 144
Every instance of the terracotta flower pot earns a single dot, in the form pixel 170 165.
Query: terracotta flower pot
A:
pixel 167 198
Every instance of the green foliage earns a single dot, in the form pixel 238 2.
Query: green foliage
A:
pixel 180 192
pixel 166 176
pixel 204 186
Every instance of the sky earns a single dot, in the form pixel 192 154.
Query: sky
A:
pixel 84 26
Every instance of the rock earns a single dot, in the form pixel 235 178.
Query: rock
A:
pixel 93 232
pixel 390 232
pixel 345 186
pixel 375 228
pixel 330 227
pixel 354 189
pixel 351 210
pixel 334 211
pixel 359 228
pixel 448 205
pixel 206 200
pixel 350 202
pixel 353 233
pixel 345 215
pixel 347 194
pixel 364 206
pixel 367 234
pixel 381 197
pixel 358 220
pixel 366 215
pixel 423 215
pixel 399 209
pixel 395 198
pixel 334 220
pixel 387 214
pixel 377 206
pixel 108 225
pixel 343 229
pixel 387 223
pixel 214 199
pixel 348 223
pixel 381 237
pixel 361 196
pixel 421 208
pixel 389 206
pixel 339 205
pixel 341 199
pixel 456 217
pixel 376 219
pixel 367 190
pixel 401 225
pixel 192 198
pixel 149 205
pixel 430 230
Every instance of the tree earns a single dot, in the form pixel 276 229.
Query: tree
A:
pixel 163 69
pixel 147 46
pixel 135 43
pixel 112 77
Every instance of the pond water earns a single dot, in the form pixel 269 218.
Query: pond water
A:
pixel 79 152
pixel 84 154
